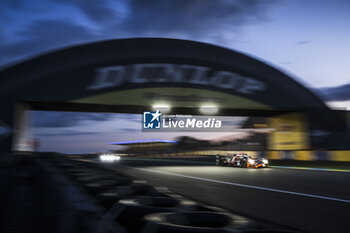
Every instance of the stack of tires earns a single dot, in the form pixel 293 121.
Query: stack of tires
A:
pixel 168 214
pixel 138 207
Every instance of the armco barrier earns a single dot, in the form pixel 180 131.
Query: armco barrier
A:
pixel 310 155
pixel 303 155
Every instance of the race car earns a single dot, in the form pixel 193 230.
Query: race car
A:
pixel 241 160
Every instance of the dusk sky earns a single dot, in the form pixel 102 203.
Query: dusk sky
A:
pixel 309 40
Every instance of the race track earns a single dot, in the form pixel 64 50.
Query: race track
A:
pixel 311 201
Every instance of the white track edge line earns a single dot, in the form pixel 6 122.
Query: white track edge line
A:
pixel 244 185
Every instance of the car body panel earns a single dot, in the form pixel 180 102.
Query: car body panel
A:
pixel 240 160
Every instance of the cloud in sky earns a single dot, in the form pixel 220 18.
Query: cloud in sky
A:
pixel 130 130
pixel 313 43
pixel 303 42
pixel 77 21
pixel 76 132
pixel 44 35
pixel 339 93
pixel 335 97
pixel 65 133
pixel 12 4
pixel 194 19
pixel 96 10
pixel 49 119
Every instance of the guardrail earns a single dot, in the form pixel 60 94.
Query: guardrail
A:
pixel 306 155
pixel 310 155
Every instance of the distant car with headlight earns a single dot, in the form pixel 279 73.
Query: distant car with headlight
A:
pixel 241 160
pixel 109 157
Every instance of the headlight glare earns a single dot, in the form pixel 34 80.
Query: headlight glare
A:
pixel 251 161
pixel 109 158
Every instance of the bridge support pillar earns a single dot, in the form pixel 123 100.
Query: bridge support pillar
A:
pixel 6 126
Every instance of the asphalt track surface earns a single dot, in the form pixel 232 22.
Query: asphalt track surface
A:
pixel 310 201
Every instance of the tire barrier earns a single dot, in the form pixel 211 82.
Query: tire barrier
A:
pixel 130 212
pixel 270 231
pixel 134 206
pixel 195 221
pixel 80 175
pixel 88 178
pixel 78 171
pixel 95 187
pixel 110 197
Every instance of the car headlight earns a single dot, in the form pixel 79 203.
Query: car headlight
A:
pixel 109 158
pixel 251 161
pixel 265 161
